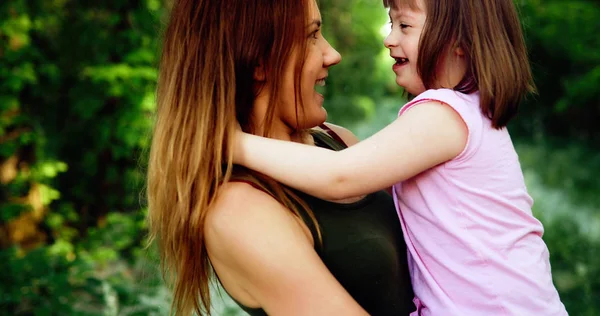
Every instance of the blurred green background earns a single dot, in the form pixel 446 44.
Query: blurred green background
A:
pixel 77 82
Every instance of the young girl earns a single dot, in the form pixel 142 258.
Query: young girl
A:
pixel 474 246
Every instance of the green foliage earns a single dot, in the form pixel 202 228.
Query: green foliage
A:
pixel 92 277
pixel 572 235
pixel 76 97
pixel 562 37
pixel 574 265
pixel 77 82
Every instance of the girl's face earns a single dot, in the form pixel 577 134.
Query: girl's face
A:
pixel 403 43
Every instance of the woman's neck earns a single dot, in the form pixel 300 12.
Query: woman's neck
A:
pixel 278 129
pixel 281 131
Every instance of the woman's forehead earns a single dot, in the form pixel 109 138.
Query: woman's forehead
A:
pixel 313 10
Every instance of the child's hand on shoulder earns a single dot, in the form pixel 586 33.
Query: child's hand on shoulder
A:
pixel 237 147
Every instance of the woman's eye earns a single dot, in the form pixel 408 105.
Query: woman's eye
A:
pixel 314 35
pixel 403 26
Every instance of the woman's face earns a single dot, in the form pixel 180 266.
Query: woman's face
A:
pixel 319 57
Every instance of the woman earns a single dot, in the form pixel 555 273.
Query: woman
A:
pixel 275 251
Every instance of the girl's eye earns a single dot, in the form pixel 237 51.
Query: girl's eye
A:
pixel 403 26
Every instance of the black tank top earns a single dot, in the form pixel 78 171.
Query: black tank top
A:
pixel 362 247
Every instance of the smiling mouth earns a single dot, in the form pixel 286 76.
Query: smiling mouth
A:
pixel 320 85
pixel 401 61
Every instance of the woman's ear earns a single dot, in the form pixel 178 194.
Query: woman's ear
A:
pixel 459 51
pixel 259 72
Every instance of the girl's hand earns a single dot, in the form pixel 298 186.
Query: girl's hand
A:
pixel 238 144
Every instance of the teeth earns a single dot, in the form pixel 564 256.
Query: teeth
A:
pixel 401 60
pixel 320 82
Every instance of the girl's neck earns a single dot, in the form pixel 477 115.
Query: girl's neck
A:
pixel 453 71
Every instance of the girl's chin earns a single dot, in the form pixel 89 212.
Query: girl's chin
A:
pixel 409 87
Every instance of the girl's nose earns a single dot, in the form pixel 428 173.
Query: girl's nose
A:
pixel 391 40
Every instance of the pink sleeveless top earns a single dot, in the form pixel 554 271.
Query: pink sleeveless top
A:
pixel 474 247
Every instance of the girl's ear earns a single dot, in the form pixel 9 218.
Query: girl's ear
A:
pixel 459 51
pixel 259 72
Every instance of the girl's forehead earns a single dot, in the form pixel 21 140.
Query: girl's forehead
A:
pixel 405 12
pixel 402 5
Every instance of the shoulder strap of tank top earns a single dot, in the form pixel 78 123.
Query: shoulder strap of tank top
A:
pixel 333 135
pixel 325 138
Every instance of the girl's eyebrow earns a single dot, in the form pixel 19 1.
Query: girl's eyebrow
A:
pixel 400 14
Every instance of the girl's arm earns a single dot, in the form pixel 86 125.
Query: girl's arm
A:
pixel 424 136
pixel 347 136
pixel 349 139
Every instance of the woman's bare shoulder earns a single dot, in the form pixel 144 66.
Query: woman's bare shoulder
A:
pixel 264 257
pixel 345 134
pixel 240 209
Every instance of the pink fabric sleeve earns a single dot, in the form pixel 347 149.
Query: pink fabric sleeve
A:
pixel 463 104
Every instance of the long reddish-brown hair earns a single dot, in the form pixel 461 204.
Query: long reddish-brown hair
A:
pixel 210 51
pixel 489 32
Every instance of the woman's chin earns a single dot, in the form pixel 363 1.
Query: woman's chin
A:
pixel 319 99
pixel 315 118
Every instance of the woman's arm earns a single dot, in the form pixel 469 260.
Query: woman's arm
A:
pixel 423 137
pixel 265 258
